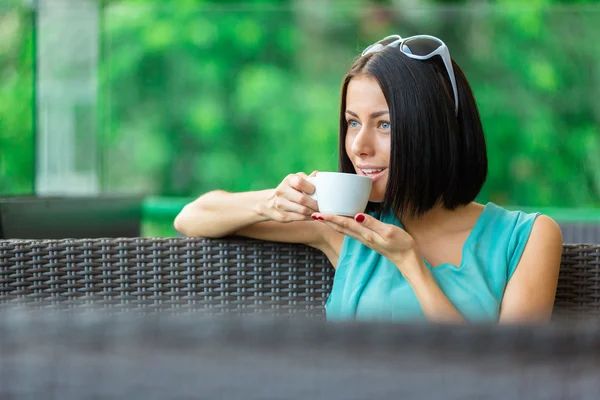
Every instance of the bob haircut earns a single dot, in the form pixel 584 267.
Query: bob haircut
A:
pixel 436 156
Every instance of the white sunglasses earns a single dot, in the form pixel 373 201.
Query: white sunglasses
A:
pixel 420 47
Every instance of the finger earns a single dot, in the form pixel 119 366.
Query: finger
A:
pixel 302 174
pixel 301 199
pixel 368 239
pixel 351 227
pixel 313 174
pixel 286 205
pixel 340 229
pixel 342 221
pixel 310 184
pixel 299 183
pixel 346 224
pixel 292 217
pixel 383 230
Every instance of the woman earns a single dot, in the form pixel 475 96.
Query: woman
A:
pixel 423 249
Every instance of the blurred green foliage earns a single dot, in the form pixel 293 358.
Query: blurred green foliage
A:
pixel 196 96
pixel 16 98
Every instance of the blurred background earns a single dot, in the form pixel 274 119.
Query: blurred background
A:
pixel 167 100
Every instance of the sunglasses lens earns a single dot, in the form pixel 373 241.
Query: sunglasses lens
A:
pixel 420 46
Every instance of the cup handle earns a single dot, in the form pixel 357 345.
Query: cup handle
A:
pixel 312 180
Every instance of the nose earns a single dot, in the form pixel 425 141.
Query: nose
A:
pixel 363 143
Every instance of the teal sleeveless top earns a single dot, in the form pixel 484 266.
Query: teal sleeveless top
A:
pixel 367 286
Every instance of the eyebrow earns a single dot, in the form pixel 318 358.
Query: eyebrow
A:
pixel 373 115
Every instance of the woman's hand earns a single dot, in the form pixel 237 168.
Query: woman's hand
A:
pixel 289 201
pixel 388 240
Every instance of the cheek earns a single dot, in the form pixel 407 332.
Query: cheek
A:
pixel 385 145
pixel 348 144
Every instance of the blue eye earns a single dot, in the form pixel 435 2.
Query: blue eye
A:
pixel 353 124
pixel 385 125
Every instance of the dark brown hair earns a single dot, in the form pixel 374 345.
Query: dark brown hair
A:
pixel 436 155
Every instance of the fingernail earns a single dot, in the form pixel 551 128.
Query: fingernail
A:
pixel 359 218
pixel 314 217
pixel 321 218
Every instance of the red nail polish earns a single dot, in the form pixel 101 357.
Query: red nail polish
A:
pixel 359 218
pixel 321 218
pixel 314 217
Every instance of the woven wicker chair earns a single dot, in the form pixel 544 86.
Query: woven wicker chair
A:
pixel 228 275
pixel 89 355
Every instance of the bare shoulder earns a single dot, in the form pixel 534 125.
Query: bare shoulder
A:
pixel 310 233
pixel 530 293
pixel 545 234
pixel 544 247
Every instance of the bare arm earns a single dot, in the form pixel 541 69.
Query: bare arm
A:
pixel 436 306
pixel 529 295
pixel 218 214
pixel 281 214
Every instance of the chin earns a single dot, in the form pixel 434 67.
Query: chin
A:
pixel 378 192
pixel 376 197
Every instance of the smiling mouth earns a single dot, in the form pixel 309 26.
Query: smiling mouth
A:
pixel 372 173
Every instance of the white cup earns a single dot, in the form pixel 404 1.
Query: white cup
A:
pixel 340 193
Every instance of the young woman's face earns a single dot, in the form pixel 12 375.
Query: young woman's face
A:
pixel 368 138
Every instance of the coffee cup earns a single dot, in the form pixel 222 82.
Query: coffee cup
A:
pixel 341 193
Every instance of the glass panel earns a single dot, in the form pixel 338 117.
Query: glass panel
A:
pixel 16 99
pixel 67 61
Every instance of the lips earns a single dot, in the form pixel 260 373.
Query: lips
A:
pixel 374 173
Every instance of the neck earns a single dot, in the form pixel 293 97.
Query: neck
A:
pixel 440 220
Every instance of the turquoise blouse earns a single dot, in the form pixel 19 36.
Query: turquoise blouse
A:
pixel 368 286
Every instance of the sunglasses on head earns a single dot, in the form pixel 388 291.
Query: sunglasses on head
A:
pixel 420 47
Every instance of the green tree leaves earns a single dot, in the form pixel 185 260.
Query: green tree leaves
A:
pixel 199 95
